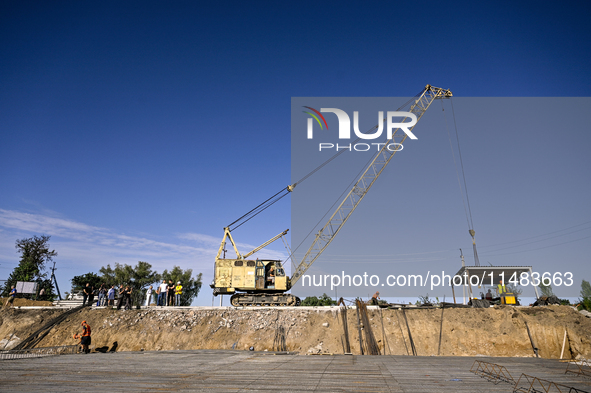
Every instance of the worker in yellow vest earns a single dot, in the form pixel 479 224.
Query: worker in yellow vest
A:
pixel 178 291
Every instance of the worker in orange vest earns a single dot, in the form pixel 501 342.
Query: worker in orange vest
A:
pixel 85 337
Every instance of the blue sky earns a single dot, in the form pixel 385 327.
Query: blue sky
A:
pixel 137 131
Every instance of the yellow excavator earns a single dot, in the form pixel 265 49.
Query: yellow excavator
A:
pixel 263 282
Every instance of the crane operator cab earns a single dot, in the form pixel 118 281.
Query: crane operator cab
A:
pixel 270 275
pixel 274 271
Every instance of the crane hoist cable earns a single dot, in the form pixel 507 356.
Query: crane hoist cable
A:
pixel 285 191
pixel 464 190
pixel 331 208
pixel 266 204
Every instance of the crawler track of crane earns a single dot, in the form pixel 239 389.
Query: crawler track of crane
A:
pixel 264 299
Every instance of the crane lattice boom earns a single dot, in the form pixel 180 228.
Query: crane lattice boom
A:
pixel 326 235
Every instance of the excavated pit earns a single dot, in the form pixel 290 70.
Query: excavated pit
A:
pixel 498 331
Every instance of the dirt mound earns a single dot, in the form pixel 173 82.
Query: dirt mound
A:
pixel 498 331
pixel 27 303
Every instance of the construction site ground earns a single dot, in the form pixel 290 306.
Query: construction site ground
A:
pixel 244 371
pixel 232 349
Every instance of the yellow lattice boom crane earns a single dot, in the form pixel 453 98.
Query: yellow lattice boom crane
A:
pixel 264 282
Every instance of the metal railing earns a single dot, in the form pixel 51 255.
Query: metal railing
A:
pixel 38 352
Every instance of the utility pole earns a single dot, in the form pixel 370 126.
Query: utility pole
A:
pixel 476 260
pixel 463 283
pixel 55 281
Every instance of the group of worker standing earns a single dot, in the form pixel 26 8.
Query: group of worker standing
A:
pixel 106 297
pixel 167 294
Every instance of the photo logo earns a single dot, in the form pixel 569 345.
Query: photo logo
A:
pixel 310 120
pixel 345 123
pixel 392 123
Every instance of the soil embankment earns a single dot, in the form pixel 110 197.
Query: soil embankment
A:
pixel 498 331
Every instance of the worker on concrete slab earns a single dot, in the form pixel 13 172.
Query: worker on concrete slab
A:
pixel 85 339
pixel 79 343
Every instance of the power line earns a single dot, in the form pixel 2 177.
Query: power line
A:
pixel 544 234
pixel 537 241
pixel 539 248
pixel 391 255
pixel 391 261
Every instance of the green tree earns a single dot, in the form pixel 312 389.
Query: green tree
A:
pixel 35 253
pixel 138 278
pixel 585 289
pixel 323 300
pixel 546 289
pixel 108 275
pixel 585 302
pixel 191 286
pixel 79 282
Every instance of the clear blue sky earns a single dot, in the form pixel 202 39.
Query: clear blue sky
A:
pixel 138 130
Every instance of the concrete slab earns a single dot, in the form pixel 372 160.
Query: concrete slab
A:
pixel 239 371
